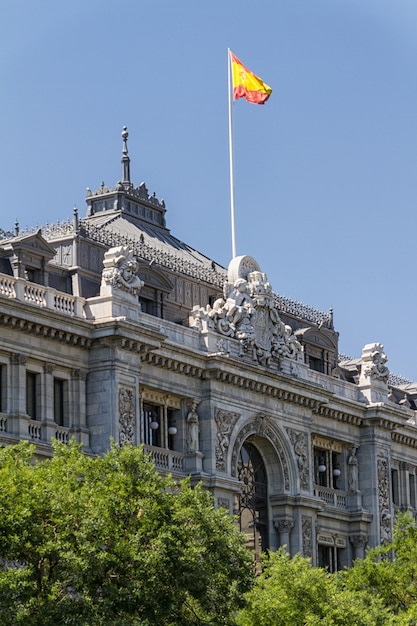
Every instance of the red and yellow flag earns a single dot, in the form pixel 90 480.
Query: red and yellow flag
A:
pixel 247 85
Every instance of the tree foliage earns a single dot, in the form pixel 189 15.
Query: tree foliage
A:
pixel 103 541
pixel 292 591
pixel 389 572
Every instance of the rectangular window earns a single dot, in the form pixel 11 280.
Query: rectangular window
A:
pixel 32 395
pixel 151 424
pixel 60 402
pixel 3 387
pixel 329 557
pixel 147 306
pixel 322 468
pixel 412 487
pixel 316 364
pixel 395 487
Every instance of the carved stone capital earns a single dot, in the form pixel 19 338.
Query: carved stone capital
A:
pixel 359 541
pixel 18 359
pixel 78 374
pixel 284 525
pixel 48 368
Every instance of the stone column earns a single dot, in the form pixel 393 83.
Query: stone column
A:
pixel 359 544
pixel 77 407
pixel 284 527
pixel 16 395
pixel 47 402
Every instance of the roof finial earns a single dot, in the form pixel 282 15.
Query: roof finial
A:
pixel 75 220
pixel 125 158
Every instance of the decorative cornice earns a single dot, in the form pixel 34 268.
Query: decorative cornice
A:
pixel 325 410
pixel 246 382
pixel 173 365
pixel 404 439
pixel 382 422
pixel 56 334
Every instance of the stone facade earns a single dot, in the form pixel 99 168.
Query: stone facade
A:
pixel 112 329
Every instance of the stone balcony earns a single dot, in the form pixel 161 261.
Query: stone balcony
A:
pixel 332 497
pixel 165 459
pixel 44 297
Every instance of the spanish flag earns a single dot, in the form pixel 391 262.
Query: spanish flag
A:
pixel 246 84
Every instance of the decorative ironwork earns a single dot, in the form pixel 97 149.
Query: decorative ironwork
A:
pixel 252 501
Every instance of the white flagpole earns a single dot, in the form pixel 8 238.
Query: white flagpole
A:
pixel 232 192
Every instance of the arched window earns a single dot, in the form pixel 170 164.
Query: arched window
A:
pixel 251 504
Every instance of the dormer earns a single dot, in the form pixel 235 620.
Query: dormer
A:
pixel 28 256
pixel 320 348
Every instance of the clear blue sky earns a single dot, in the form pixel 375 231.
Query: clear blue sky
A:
pixel 325 172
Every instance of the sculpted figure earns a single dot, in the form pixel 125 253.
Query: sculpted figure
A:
pixel 375 360
pixel 239 303
pixel 219 316
pixel 120 270
pixel 353 471
pixel 193 428
pixel 379 360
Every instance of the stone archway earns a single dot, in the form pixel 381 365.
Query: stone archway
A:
pixel 252 503
pixel 262 461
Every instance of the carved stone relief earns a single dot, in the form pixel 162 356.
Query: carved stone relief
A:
pixel 225 421
pixel 247 312
pixel 66 254
pixel 307 534
pixel 126 416
pixel 223 503
pixel 120 268
pixel 385 525
pixel 299 441
pixel 374 362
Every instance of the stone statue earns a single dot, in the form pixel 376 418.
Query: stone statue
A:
pixel 193 427
pixel 375 359
pixel 239 304
pixel 353 470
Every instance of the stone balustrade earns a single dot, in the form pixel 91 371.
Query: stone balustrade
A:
pixel 40 296
pixel 332 497
pixel 166 459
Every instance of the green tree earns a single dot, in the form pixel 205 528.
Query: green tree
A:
pixel 292 591
pixel 389 572
pixel 103 541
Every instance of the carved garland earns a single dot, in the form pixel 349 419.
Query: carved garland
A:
pixel 385 528
pixel 307 532
pixel 126 416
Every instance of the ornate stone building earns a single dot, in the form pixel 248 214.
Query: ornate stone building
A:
pixel 111 328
